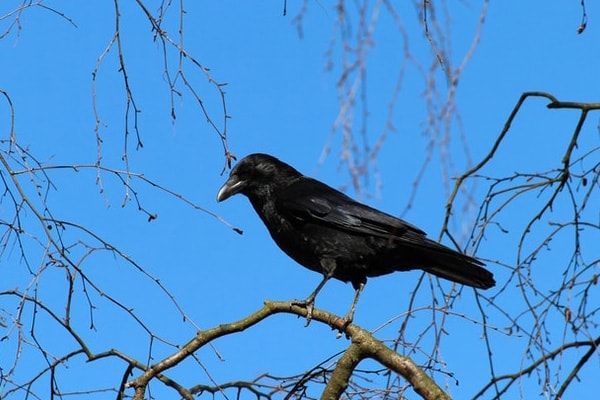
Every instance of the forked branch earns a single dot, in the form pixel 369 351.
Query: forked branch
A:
pixel 363 345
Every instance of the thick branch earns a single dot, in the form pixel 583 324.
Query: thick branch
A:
pixel 370 347
pixel 343 372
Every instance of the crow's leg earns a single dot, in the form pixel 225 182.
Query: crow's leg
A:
pixel 309 303
pixel 350 315
pixel 358 287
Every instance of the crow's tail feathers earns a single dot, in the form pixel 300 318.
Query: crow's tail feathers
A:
pixel 454 266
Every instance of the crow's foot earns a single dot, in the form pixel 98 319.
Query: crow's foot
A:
pixel 309 304
pixel 347 320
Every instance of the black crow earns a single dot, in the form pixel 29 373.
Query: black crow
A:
pixel 326 231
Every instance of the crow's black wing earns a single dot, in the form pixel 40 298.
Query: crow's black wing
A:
pixel 308 200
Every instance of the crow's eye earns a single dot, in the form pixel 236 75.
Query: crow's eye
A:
pixel 267 169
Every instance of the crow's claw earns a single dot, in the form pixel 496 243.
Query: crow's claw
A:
pixel 309 304
pixel 345 322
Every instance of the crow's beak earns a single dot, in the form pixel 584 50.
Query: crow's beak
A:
pixel 233 186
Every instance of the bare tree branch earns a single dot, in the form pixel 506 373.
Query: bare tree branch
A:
pixel 363 345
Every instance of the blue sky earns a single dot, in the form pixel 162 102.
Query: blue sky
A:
pixel 282 100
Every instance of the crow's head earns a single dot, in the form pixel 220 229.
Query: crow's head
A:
pixel 257 174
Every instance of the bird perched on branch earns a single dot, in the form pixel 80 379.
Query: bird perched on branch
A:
pixel 327 232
